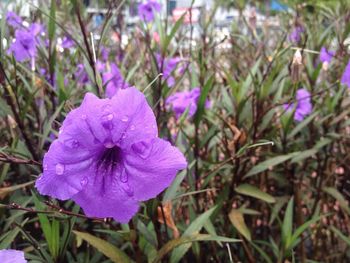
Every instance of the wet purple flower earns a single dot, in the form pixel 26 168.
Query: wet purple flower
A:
pixel 24 46
pixel 12 256
pixel 113 80
pixel 295 35
pixel 146 11
pixel 180 101
pixel 345 79
pixel 108 157
pixel 326 55
pixel 169 65
pixel 13 20
pixel 303 106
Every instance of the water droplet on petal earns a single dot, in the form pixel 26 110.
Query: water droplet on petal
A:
pixel 109 145
pixel 83 116
pixel 107 120
pixel 142 149
pixel 132 127
pixel 84 181
pixel 59 168
pixel 125 118
pixel 110 116
pixel 71 143
pixel 124 136
pixel 154 126
pixel 45 167
pixel 124 177
pixel 128 190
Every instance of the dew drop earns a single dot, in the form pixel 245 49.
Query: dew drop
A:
pixel 110 116
pixel 124 136
pixel 72 143
pixel 83 116
pixel 125 118
pixel 132 127
pixel 59 168
pixel 128 190
pixel 45 167
pixel 84 181
pixel 109 145
pixel 124 177
pixel 143 149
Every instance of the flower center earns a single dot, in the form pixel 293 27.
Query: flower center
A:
pixel 109 159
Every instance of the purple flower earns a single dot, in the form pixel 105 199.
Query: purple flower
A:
pixel 36 29
pixel 113 80
pixel 24 46
pixel 169 65
pixel 326 55
pixel 303 106
pixel 13 20
pixel 146 10
pixel 295 35
pixel 12 256
pixel 345 79
pixel 108 157
pixel 81 76
pixel 180 101
pixel 104 53
pixel 67 42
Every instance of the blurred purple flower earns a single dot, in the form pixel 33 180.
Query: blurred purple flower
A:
pixel 36 29
pixel 104 53
pixel 24 46
pixel 303 106
pixel 345 79
pixel 113 80
pixel 108 157
pixel 146 10
pixel 14 20
pixel 295 35
pixel 81 76
pixel 326 55
pixel 100 66
pixel 67 42
pixel 169 65
pixel 12 256
pixel 180 101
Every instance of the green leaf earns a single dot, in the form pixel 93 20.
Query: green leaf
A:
pixel 249 190
pixel 173 32
pixel 263 166
pixel 341 235
pixel 172 244
pixel 339 197
pixel 193 228
pixel 52 25
pixel 112 252
pixel 301 125
pixel 237 220
pixel 287 226
pixel 201 101
pixel 51 232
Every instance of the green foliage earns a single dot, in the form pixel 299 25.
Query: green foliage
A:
pixel 260 186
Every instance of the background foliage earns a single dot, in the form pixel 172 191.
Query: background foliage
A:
pixel 260 187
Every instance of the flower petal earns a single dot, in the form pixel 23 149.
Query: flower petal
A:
pixel 64 168
pixel 107 195
pixel 151 166
pixel 135 120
